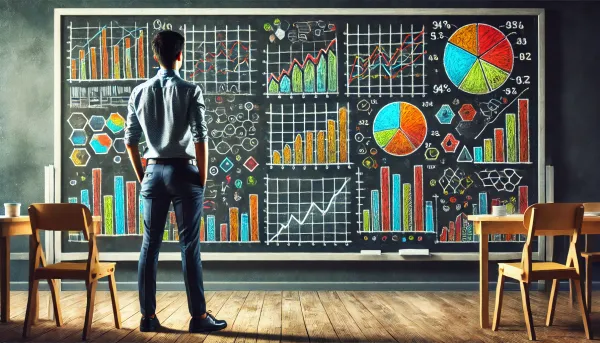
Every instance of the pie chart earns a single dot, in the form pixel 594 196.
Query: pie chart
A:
pixel 400 128
pixel 478 58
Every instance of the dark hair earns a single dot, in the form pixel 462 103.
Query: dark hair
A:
pixel 166 46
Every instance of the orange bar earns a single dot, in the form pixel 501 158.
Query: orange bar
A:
pixel 73 69
pixel 94 63
pixel 82 68
pixel 128 72
pixel 254 217
pixel 331 157
pixel 233 224
pixel 140 57
pixel 104 56
pixel 287 155
pixel 116 63
pixel 298 149
pixel 321 147
pixel 309 147
pixel 202 233
pixel 343 129
pixel 276 157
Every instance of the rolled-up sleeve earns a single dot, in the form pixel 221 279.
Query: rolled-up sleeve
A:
pixel 196 117
pixel 133 130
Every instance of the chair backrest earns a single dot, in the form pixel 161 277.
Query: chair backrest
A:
pixel 553 219
pixel 61 217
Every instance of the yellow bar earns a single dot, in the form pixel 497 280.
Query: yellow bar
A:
pixel 331 157
pixel 321 147
pixel 276 157
pixel 287 155
pixel 298 158
pixel 309 147
pixel 488 150
pixel 343 130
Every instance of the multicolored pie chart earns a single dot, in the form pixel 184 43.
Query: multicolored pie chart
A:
pixel 478 58
pixel 400 128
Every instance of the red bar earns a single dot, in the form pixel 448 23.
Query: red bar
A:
pixel 385 198
pixel 523 198
pixel 458 228
pixel 418 205
pixel 499 140
pixel 202 229
pixel 97 191
pixel 452 232
pixel 93 60
pixel 254 217
pixel 223 232
pixel 523 130
pixel 131 209
pixel 444 235
pixel 173 225
pixel 104 56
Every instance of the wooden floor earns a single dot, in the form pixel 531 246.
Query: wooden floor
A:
pixel 307 317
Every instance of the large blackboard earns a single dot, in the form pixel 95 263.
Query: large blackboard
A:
pixel 329 133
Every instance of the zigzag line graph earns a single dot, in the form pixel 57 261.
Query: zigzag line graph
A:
pixel 228 53
pixel 308 211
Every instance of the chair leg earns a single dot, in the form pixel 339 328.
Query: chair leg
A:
pixel 89 310
pixel 584 313
pixel 588 285
pixel 552 303
pixel 499 294
pixel 115 300
pixel 527 310
pixel 30 313
pixel 55 301
pixel 571 292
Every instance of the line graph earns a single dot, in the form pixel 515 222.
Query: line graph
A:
pixel 219 60
pixel 110 52
pixel 310 68
pixel 311 211
pixel 309 135
pixel 385 62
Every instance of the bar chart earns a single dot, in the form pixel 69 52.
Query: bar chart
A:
pixel 309 135
pixel 110 52
pixel 239 228
pixel 509 144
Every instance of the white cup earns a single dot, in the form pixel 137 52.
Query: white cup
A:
pixel 12 209
pixel 499 210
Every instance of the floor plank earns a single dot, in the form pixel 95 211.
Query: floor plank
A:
pixel 229 313
pixel 269 324
pixel 292 322
pixel 342 322
pixel 369 325
pixel 317 322
pixel 246 324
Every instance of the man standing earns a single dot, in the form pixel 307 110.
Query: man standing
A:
pixel 170 113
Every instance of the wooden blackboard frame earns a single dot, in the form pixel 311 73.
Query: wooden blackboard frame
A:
pixel 251 256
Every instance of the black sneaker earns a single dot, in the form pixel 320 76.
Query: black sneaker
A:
pixel 208 324
pixel 149 324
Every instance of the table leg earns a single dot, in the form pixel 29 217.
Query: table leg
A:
pixel 5 278
pixel 484 297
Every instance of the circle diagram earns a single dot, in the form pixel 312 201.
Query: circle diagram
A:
pixel 400 128
pixel 478 58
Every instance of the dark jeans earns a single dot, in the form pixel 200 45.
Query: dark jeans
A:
pixel 162 184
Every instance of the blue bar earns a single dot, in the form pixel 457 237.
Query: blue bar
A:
pixel 72 200
pixel 475 209
pixel 428 216
pixel 478 152
pixel 285 85
pixel 210 228
pixel 120 205
pixel 396 203
pixel 85 197
pixel 245 232
pixel 483 204
pixel 375 210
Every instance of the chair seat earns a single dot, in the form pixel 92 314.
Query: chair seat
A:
pixel 539 271
pixel 591 255
pixel 74 271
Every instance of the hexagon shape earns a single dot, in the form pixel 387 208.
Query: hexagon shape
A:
pixel 450 144
pixel 80 157
pixel 432 154
pixel 97 123
pixel 101 143
pixel 119 145
pixel 115 123
pixel 78 138
pixel 467 112
pixel 77 121
pixel 445 115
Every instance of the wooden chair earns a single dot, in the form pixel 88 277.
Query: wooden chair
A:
pixel 545 220
pixel 66 217
pixel 589 257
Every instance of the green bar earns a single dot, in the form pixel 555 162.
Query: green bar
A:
pixel 166 234
pixel 511 137
pixel 273 87
pixel 108 215
pixel 488 150
pixel 407 207
pixel 297 79
pixel 309 78
pixel 82 70
pixel 331 72
pixel 366 220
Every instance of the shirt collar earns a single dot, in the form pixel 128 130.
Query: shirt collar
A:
pixel 167 72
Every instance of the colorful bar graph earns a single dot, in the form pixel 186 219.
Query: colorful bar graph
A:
pixel 244 228
pixel 488 150
pixel 210 228
pixel 483 203
pixel 97 191
pixel 85 198
pixel 254 217
pixel 499 145
pixel 366 220
pixel 523 198
pixel 331 143
pixel 94 64
pixel 375 209
pixel 429 225
pixel 396 203
pixel 523 130
pixel 407 207
pixel 234 224
pixel 418 204
pixel 223 232
pixel 343 134
pixel 108 215
pixel 478 153
pixel 511 138
pixel 119 205
pixel 131 197
pixel 385 198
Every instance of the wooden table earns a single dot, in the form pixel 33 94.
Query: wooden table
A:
pixel 15 226
pixel 486 225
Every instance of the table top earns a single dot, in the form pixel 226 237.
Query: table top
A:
pixel 5 219
pixel 517 218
